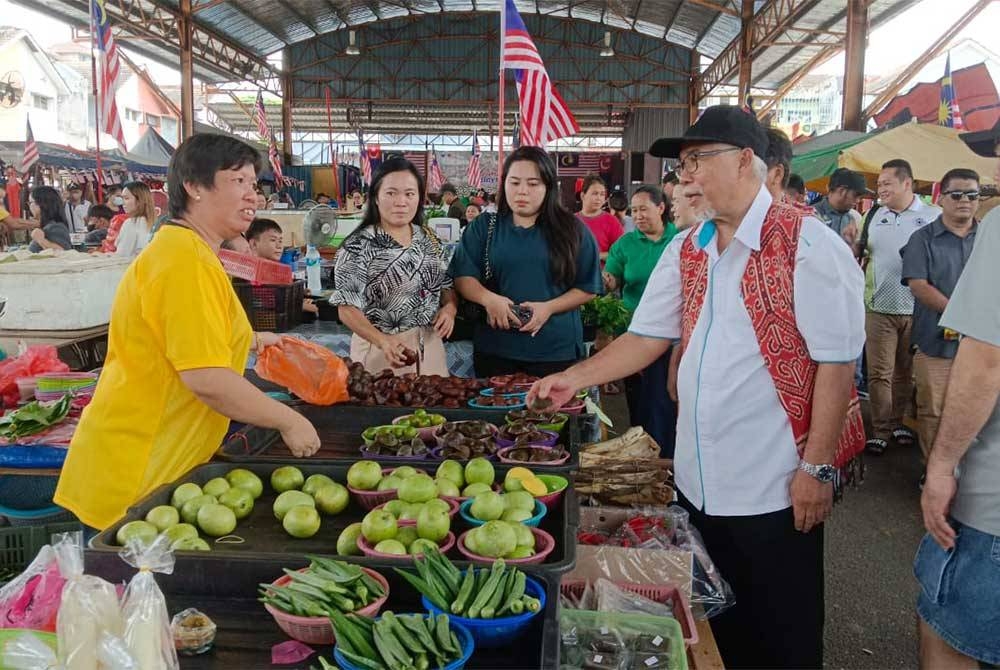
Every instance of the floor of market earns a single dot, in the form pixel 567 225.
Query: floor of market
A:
pixel 870 543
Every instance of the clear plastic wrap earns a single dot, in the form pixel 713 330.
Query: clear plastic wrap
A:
pixel 28 652
pixel 651 545
pixel 89 608
pixel 31 600
pixel 617 641
pixel 611 598
pixel 147 631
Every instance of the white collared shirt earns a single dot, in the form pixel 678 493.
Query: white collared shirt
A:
pixel 888 233
pixel 735 453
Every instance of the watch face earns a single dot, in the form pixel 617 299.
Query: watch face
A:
pixel 827 473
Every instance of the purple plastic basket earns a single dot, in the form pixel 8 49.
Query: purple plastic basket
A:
pixel 550 442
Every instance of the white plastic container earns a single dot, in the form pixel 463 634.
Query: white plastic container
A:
pixel 71 291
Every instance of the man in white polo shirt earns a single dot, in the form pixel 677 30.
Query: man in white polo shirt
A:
pixel 768 416
pixel 889 303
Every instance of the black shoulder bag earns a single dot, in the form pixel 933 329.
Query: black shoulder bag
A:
pixel 471 311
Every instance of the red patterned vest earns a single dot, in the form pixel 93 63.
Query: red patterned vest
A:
pixel 768 293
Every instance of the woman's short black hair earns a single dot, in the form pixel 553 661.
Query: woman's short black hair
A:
pixel 50 204
pixel 371 216
pixel 198 159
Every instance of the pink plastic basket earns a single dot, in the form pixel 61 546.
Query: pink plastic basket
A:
pixel 544 545
pixel 661 593
pixel 369 500
pixel 368 550
pixel 452 511
pixel 254 269
pixel 318 630
pixel 502 455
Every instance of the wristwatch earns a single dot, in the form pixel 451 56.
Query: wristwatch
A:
pixel 824 473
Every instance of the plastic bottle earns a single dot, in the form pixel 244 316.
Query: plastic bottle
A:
pixel 314 282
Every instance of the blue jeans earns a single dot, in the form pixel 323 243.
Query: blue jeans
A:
pixel 958 591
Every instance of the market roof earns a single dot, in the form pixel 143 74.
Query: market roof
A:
pixel 263 27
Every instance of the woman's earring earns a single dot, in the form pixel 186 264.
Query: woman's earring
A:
pixel 197 197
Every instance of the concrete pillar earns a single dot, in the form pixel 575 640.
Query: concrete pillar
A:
pixel 854 65
pixel 184 39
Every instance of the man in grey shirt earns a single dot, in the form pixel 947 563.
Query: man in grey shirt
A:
pixel 933 260
pixel 957 562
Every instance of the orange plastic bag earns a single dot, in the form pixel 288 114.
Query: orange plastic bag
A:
pixel 308 370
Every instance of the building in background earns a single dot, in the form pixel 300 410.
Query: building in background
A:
pixel 31 85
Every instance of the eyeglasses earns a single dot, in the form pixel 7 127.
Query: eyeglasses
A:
pixel 689 163
pixel 958 195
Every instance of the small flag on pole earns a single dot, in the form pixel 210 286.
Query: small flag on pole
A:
pixel 948 112
pixel 31 155
pixel 108 68
pixel 544 114
pixel 474 174
pixel 275 158
pixel 436 178
pixel 260 116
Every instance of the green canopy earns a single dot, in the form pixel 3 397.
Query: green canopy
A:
pixel 816 166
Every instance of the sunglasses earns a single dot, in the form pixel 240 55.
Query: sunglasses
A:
pixel 958 195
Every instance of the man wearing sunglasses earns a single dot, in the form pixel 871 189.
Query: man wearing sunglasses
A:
pixel 933 260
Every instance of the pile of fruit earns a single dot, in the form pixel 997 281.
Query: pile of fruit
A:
pixel 325 587
pixel 421 419
pixel 396 641
pixel 214 509
pixel 517 506
pixel 498 400
pixel 467 439
pixel 486 593
pixel 409 390
pixel 300 500
pixel 526 453
pixel 397 440
pixel 501 539
pixel 518 382
pixel 450 479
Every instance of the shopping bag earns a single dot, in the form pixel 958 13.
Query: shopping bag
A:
pixel 308 370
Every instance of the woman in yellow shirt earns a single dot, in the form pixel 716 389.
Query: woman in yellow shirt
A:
pixel 177 348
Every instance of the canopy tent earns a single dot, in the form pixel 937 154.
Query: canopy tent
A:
pixel 67 158
pixel 151 149
pixel 931 151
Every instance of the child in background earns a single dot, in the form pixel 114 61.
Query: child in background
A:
pixel 265 238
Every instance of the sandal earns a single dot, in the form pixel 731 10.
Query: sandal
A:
pixel 904 437
pixel 876 446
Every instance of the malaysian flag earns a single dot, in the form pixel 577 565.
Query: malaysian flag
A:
pixel 474 174
pixel 108 67
pixel 260 116
pixel 30 156
pixel 948 112
pixel 366 167
pixel 436 178
pixel 544 115
pixel 583 164
pixel 275 158
pixel 372 161
pixel 418 158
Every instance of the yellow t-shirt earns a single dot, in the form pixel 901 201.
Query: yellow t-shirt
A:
pixel 175 310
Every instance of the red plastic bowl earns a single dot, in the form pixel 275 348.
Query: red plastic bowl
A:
pixel 315 629
pixel 452 511
pixel 368 550
pixel 502 455
pixel 544 545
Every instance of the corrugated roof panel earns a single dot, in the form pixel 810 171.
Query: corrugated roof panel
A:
pixel 724 30
pixel 242 28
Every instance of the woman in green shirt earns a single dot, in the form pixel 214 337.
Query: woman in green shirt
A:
pixel 630 263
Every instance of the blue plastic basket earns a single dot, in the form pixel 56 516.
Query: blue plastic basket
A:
pixel 27 493
pixel 492 633
pixel 540 511
pixel 465 640
pixel 35 517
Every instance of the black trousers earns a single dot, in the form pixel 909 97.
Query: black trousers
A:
pixel 488 365
pixel 650 406
pixel 776 574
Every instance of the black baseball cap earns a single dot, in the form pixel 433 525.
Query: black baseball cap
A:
pixel 448 188
pixel 849 179
pixel 722 123
pixel 984 142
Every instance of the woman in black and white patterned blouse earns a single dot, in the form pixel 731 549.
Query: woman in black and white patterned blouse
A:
pixel 391 283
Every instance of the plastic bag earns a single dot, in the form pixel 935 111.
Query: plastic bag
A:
pixel 147 632
pixel 31 600
pixel 33 362
pixel 709 589
pixel 27 652
pixel 611 598
pixel 308 370
pixel 88 610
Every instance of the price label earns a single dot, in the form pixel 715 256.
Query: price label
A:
pixel 651 661
pixel 598 659
pixel 657 641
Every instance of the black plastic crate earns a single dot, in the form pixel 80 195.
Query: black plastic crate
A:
pixel 271 307
pixel 20 544
pixel 340 427
pixel 265 539
pixel 246 632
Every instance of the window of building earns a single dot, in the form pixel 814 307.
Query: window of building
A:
pixel 133 115
pixel 40 101
pixel 152 120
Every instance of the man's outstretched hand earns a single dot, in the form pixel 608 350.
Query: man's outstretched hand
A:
pixel 551 393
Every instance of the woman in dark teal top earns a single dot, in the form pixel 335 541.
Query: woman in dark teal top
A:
pixel 539 258
pixel 630 263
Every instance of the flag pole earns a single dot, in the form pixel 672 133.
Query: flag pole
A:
pixel 97 101
pixel 333 159
pixel 500 94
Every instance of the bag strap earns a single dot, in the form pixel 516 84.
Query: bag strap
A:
pixel 864 228
pixel 490 229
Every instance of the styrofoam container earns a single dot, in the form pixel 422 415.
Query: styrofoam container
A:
pixel 71 291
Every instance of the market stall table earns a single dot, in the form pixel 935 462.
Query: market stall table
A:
pixel 83 349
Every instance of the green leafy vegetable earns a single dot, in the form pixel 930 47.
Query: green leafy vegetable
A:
pixel 607 313
pixel 34 418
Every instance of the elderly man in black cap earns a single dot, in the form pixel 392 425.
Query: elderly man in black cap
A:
pixel 766 302
pixel 958 562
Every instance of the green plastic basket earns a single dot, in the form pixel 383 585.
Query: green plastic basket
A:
pixel 627 626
